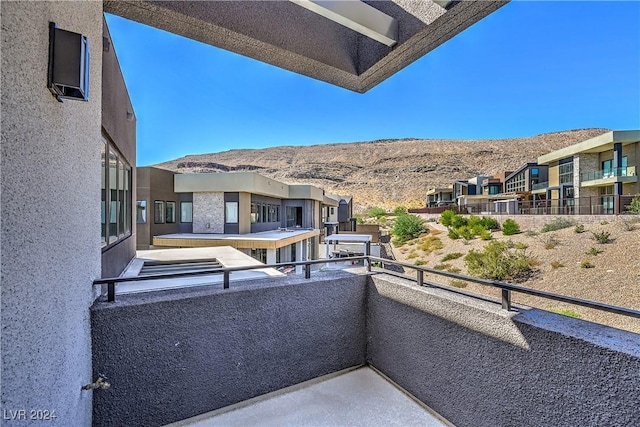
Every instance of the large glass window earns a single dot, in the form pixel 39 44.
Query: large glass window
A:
pixel 103 209
pixel 141 211
pixel 565 171
pixel 186 211
pixel 170 211
pixel 116 205
pixel 158 212
pixel 231 212
pixel 113 196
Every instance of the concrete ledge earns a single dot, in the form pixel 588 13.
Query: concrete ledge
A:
pixel 479 367
pixel 171 355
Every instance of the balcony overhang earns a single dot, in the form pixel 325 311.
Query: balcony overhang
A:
pixel 608 181
pixel 264 240
pixel 288 36
pixel 598 144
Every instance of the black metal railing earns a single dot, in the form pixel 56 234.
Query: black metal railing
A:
pixel 380 263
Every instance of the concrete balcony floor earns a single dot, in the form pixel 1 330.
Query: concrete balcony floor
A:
pixel 358 397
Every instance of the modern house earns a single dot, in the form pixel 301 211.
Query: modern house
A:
pixel 267 219
pixel 159 209
pixel 597 176
pixel 437 197
pixel 337 213
pixel 524 179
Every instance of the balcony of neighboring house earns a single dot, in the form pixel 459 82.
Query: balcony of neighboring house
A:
pixel 364 346
pixel 539 187
pixel 608 176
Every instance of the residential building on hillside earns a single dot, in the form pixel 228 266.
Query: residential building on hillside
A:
pixel 267 219
pixel 526 178
pixel 340 216
pixel 597 176
pixel 440 196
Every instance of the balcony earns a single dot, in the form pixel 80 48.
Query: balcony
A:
pixel 540 186
pixel 176 354
pixel 608 176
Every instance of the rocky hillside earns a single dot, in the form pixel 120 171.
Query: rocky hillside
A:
pixel 385 172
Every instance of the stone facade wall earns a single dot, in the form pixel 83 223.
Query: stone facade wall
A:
pixel 585 162
pixel 208 212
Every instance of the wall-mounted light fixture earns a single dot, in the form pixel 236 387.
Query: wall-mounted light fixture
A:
pixel 68 64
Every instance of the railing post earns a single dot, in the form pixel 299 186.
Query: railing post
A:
pixel 506 299
pixel 420 279
pixel 225 279
pixel 367 261
pixel 111 291
pixel 307 271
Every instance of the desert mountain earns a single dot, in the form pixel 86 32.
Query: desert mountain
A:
pixel 384 173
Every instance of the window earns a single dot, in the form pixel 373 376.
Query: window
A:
pixel 186 211
pixel 141 212
pixel 565 171
pixel 170 212
pixel 116 204
pixel 535 172
pixel 264 213
pixel 103 214
pixel 254 213
pixel 260 255
pixel 333 210
pixel 231 212
pixel 158 212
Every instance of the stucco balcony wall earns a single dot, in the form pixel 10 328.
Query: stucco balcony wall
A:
pixel 174 354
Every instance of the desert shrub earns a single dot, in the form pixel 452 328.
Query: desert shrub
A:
pixel 634 206
pixel 446 218
pixel 449 257
pixel 490 223
pixel 499 261
pixel 628 224
pixel 435 232
pixel 466 232
pixel 399 210
pixel 510 227
pixel 550 242
pixel 604 222
pixel 485 235
pixel 442 266
pixel 420 262
pixel 412 255
pixel 579 229
pixel 586 264
pixel 453 234
pixel 602 236
pixel 521 245
pixel 558 224
pixel 377 212
pixel 457 283
pixel 429 244
pixel 454 270
pixel 459 221
pixel 566 312
pixel 594 251
pixel 408 227
pixel 556 264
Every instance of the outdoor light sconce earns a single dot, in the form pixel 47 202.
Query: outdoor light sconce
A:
pixel 68 64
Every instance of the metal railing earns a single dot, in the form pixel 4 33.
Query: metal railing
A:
pixel 608 173
pixel 369 261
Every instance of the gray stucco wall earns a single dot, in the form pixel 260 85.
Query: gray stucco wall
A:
pixel 175 354
pixel 50 230
pixel 479 366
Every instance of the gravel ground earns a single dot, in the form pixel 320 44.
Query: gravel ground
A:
pixel 614 279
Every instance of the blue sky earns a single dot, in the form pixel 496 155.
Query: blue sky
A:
pixel 529 68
